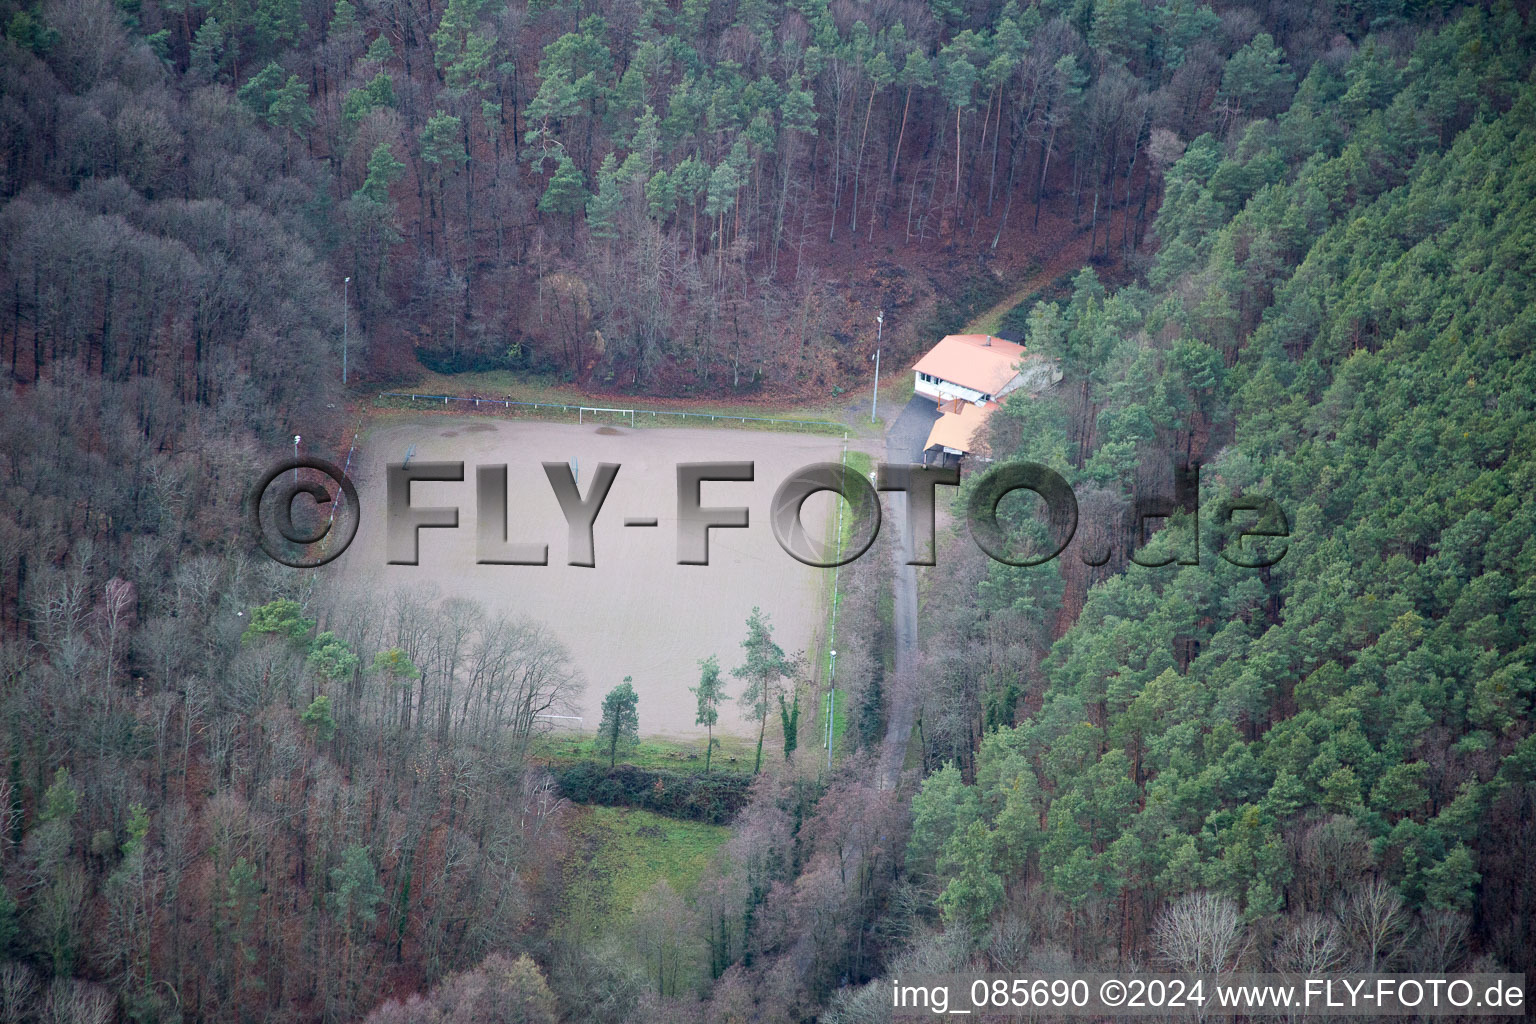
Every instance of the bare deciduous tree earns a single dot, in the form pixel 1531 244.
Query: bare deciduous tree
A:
pixel 1201 933
pixel 1313 944
pixel 1377 922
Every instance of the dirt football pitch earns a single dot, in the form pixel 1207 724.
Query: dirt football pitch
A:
pixel 636 612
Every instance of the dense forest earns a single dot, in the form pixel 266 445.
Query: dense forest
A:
pixel 1337 747
pixel 634 196
pixel 1300 244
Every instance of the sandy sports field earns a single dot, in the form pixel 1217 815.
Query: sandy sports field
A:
pixel 636 612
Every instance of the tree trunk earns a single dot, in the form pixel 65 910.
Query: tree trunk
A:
pixel 853 213
pixel 901 135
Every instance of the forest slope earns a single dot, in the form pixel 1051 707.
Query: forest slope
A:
pixel 1348 727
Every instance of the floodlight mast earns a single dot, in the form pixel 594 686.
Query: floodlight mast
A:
pixel 874 401
pixel 831 706
pixel 346 284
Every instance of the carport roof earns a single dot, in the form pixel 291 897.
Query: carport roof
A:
pixel 960 430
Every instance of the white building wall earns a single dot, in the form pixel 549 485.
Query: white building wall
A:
pixel 943 390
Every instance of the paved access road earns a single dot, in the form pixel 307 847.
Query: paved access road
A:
pixel 903 444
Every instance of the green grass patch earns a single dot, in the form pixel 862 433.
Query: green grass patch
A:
pixel 832 599
pixel 839 722
pixel 733 753
pixel 696 417
pixel 839 718
pixel 912 757
pixel 863 462
pixel 498 385
pixel 617 853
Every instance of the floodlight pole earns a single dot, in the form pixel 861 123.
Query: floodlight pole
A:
pixel 346 284
pixel 879 324
pixel 296 456
pixel 831 706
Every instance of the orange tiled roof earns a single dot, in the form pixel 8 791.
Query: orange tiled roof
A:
pixel 961 430
pixel 976 361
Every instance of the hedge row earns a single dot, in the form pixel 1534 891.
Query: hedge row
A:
pixel 713 799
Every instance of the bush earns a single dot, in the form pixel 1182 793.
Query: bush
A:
pixel 472 358
pixel 712 799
